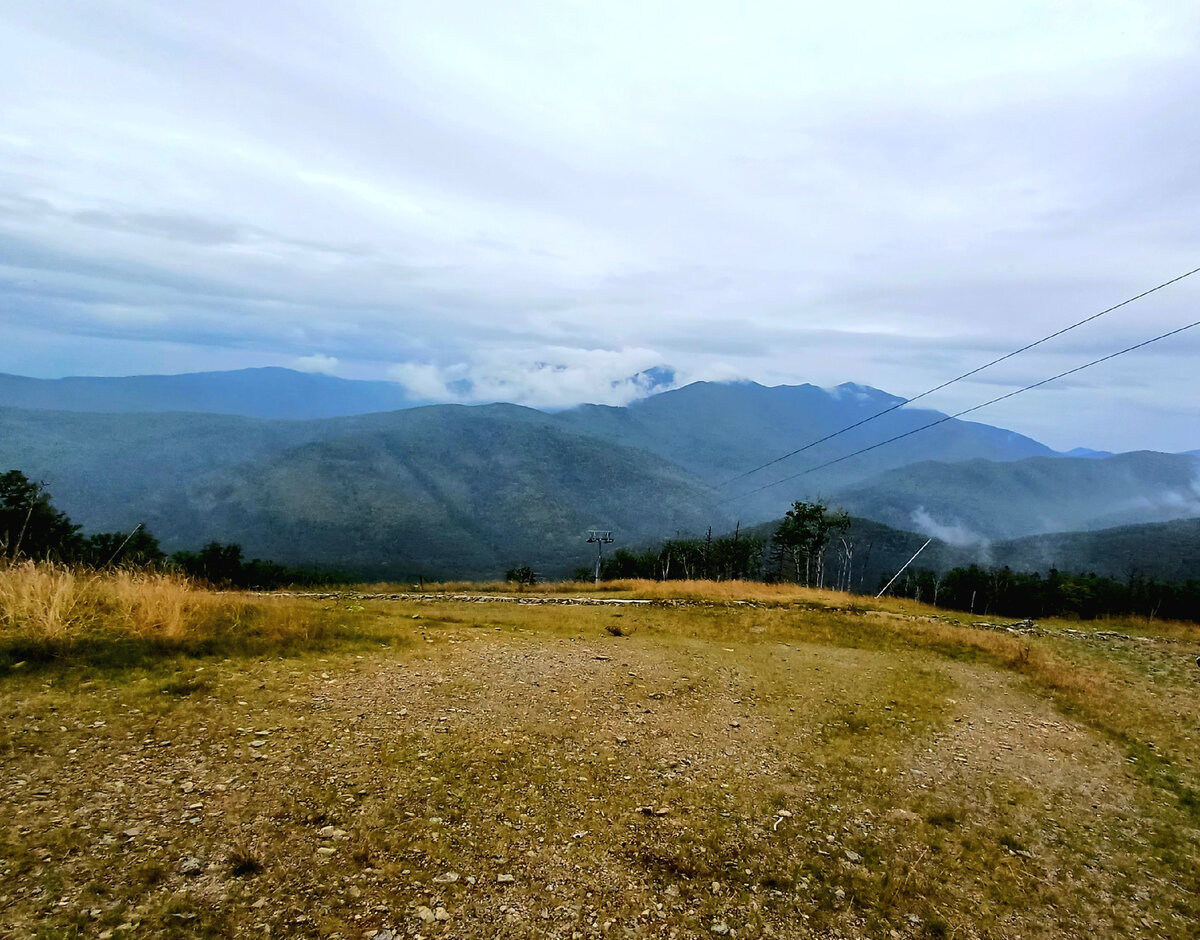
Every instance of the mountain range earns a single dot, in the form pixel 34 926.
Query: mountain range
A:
pixel 268 392
pixel 395 490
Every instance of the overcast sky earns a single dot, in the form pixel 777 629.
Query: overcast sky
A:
pixel 536 202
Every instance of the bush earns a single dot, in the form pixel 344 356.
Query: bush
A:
pixel 522 575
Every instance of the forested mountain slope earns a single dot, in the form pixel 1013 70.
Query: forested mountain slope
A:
pixel 719 430
pixel 443 490
pixel 978 499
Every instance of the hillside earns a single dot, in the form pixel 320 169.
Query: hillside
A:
pixel 441 490
pixel 1168 551
pixel 468 491
pixel 979 500
pixel 719 430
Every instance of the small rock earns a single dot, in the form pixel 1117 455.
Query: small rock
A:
pixel 853 857
pixel 326 850
pixel 384 934
pixel 448 878
pixel 441 914
pixel 720 928
pixel 505 879
pixel 426 914
pixel 735 724
pixel 672 891
pixel 190 865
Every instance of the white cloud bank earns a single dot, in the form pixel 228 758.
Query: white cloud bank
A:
pixel 317 362
pixel 952 533
pixel 555 377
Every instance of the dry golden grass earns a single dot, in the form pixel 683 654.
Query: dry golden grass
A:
pixel 54 602
pixel 50 611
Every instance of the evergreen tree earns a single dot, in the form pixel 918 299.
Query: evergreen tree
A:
pixel 29 526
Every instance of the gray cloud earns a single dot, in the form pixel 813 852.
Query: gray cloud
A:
pixel 473 192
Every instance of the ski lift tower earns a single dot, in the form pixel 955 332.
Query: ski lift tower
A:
pixel 601 538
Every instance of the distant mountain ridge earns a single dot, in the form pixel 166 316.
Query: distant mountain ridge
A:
pixel 268 392
pixel 445 490
pixel 458 490
pixel 718 431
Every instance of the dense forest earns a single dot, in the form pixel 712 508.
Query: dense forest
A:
pixel 1009 593
pixel 815 547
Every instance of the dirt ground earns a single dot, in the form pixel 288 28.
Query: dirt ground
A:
pixel 479 772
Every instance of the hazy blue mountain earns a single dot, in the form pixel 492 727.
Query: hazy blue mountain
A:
pixel 1088 452
pixel 719 430
pixel 440 490
pixel 255 393
pixel 977 500
pixel 450 489
pixel 109 470
pixel 461 493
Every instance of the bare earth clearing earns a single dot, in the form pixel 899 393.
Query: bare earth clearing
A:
pixel 457 769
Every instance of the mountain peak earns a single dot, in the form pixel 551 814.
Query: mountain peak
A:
pixel 853 391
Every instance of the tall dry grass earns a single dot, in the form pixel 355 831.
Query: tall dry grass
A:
pixel 715 591
pixel 52 612
pixel 54 602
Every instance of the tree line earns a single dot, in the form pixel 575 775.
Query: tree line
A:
pixel 1086 596
pixel 30 527
pixel 813 547
pixel 808 547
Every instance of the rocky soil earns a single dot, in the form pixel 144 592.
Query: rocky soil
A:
pixel 476 774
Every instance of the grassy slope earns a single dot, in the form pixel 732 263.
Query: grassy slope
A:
pixel 780 762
